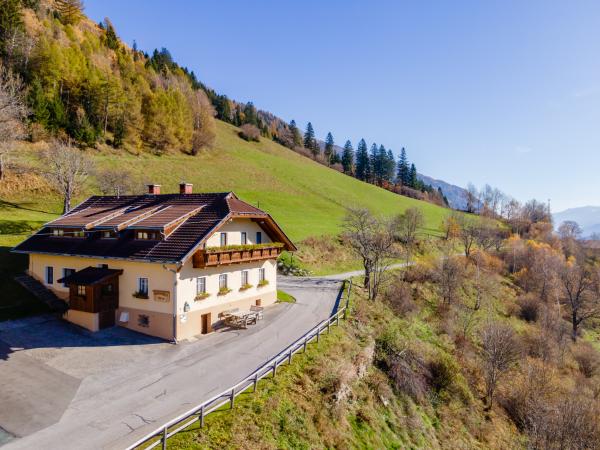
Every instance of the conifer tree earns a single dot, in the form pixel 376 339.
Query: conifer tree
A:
pixel 251 114
pixel 309 137
pixel 111 39
pixel 413 180
pixel 390 166
pixel 70 11
pixel 348 158
pixel 374 164
pixel 10 21
pixel 329 150
pixel 403 168
pixel 362 161
pixel 297 137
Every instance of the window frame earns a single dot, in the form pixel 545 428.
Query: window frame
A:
pixel 143 287
pixel 245 277
pixel 81 290
pixel 259 237
pixel 200 282
pixel 223 281
pixel 262 275
pixel 66 272
pixel 243 238
pixel 49 275
pixel 223 239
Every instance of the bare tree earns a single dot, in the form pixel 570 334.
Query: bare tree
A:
pixel 449 276
pixel 67 169
pixel 580 293
pixel 407 225
pixel 116 182
pixel 204 123
pixel 469 232
pixel 12 113
pixel 471 198
pixel 500 352
pixel 570 229
pixel 373 240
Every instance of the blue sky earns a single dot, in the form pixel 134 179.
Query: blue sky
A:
pixel 505 93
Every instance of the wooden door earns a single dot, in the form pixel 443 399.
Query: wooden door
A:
pixel 206 323
pixel 106 319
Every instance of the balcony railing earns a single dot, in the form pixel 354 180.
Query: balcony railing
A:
pixel 225 255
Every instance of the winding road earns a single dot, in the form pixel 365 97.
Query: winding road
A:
pixel 64 388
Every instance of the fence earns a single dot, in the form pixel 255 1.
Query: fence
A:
pixel 199 412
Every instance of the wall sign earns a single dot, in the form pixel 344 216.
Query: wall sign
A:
pixel 162 296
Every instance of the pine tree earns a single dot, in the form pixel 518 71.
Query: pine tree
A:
pixel 390 166
pixel 403 168
pixel 251 114
pixel 329 150
pixel 362 161
pixel 413 180
pixel 297 137
pixel 348 158
pixel 38 103
pixel 374 164
pixel 111 39
pixel 70 11
pixel 309 137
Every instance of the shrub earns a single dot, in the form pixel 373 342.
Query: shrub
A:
pixel 443 372
pixel 529 308
pixel 400 297
pixel 588 360
pixel 249 132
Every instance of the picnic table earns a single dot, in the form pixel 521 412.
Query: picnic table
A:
pixel 241 319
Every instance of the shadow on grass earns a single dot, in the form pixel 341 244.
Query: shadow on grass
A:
pixel 6 205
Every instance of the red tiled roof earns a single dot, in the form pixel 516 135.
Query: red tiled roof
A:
pixel 193 217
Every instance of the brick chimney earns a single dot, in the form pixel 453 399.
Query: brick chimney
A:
pixel 154 189
pixel 185 188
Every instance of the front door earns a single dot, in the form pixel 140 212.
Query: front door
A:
pixel 206 323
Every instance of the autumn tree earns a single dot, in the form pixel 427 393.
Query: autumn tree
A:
pixel 67 168
pixel 500 351
pixel 71 11
pixel 12 113
pixel 372 239
pixel 449 275
pixel 407 226
pixel 579 293
pixel 205 130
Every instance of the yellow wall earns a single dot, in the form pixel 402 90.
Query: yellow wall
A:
pixel 89 321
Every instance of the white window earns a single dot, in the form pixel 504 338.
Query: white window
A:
pixel 146 235
pixel 66 273
pixel 223 239
pixel 261 275
pixel 58 232
pixel 49 275
pixel 81 290
pixel 259 237
pixel 201 285
pixel 244 277
pixel 143 286
pixel 78 233
pixel 223 281
pixel 108 234
pixel 244 239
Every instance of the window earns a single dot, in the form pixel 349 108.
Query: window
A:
pixel 201 285
pixel 66 273
pixel 223 239
pixel 108 234
pixel 143 320
pixel 261 275
pixel 259 237
pixel 244 277
pixel 244 239
pixel 58 232
pixel 146 235
pixel 78 234
pixel 223 281
pixel 107 289
pixel 143 286
pixel 103 266
pixel 49 275
pixel 81 290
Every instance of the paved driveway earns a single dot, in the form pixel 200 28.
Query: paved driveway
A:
pixel 66 388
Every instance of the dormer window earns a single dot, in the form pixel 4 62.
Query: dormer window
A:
pixel 147 235
pixel 109 234
pixel 58 232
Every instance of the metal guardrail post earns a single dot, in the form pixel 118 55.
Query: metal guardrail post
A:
pixel 232 398
pixel 255 382
pixel 318 333
pixel 201 418
pixel 164 438
pixel 274 368
pixel 290 356
pixel 304 345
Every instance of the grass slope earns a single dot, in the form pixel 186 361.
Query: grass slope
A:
pixel 306 198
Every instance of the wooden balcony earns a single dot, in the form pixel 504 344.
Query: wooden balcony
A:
pixel 216 257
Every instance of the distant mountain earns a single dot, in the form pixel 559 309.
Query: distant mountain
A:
pixel 588 218
pixel 454 194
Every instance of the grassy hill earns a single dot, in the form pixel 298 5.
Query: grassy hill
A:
pixel 306 198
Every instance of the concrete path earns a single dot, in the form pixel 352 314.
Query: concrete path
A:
pixel 114 386
pixel 357 273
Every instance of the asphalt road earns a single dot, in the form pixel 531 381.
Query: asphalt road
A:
pixel 65 388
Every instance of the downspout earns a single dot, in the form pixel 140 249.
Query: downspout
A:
pixel 174 271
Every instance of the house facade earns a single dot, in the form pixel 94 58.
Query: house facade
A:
pixel 165 265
